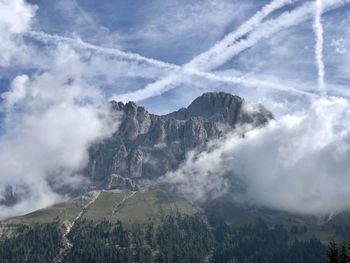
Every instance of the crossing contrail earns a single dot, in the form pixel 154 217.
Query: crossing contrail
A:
pixel 262 31
pixel 204 61
pixel 176 70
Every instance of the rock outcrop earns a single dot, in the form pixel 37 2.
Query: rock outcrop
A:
pixel 147 145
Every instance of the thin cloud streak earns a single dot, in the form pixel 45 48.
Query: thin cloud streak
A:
pixel 77 42
pixel 318 28
pixel 169 82
pixel 204 60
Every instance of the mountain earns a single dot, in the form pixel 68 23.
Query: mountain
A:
pixel 123 220
pixel 146 145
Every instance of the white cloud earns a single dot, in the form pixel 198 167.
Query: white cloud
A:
pixel 51 120
pixel 15 19
pixel 298 163
pixel 18 92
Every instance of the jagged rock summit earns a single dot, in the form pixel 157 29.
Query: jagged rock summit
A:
pixel 148 145
pixel 215 106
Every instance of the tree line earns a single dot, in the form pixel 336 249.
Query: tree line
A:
pixel 177 239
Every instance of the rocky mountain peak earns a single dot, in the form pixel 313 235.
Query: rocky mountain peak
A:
pixel 222 107
pixel 210 105
pixel 148 145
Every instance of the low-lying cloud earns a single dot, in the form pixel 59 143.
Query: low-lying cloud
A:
pixel 299 163
pixel 51 119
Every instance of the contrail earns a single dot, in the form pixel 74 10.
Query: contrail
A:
pixel 194 67
pixel 203 61
pixel 273 26
pixel 85 15
pixel 318 28
pixel 166 82
pixel 47 38
pixel 264 30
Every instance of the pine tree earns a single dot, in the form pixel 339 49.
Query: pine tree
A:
pixel 333 252
pixel 345 253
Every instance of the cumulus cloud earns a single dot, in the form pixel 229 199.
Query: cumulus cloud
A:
pixel 51 119
pixel 15 19
pixel 298 163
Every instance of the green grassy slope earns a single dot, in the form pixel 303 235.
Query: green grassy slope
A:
pixel 137 207
pixel 151 206
pixel 129 207
pixel 63 211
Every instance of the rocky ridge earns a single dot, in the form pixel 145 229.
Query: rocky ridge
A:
pixel 147 145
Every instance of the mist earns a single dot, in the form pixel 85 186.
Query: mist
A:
pixel 298 163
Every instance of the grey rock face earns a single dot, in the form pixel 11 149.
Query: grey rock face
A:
pixel 147 145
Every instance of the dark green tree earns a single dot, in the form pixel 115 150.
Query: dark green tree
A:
pixel 345 253
pixel 333 252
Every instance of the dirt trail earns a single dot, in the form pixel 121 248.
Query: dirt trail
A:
pixel 91 198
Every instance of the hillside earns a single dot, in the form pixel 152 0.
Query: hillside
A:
pixel 113 205
pixel 155 226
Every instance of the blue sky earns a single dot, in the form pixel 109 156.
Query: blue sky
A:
pixel 177 31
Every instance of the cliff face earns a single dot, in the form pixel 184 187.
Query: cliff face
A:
pixel 148 145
